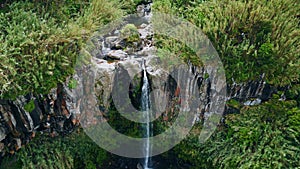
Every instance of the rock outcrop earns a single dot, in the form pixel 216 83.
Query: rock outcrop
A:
pixel 52 114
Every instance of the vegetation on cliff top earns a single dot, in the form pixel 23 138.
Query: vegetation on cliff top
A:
pixel 252 37
pixel 41 40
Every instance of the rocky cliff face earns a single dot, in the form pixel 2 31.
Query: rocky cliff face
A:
pixel 52 113
pixel 117 57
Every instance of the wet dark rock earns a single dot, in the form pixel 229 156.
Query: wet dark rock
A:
pixel 37 114
pixel 253 102
pixel 119 44
pixel 139 166
pixel 111 39
pixel 253 89
pixel 140 10
pixel 50 115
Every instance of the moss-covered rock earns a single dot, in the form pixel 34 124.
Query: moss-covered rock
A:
pixel 130 33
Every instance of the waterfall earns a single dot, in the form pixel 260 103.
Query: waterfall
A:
pixel 146 114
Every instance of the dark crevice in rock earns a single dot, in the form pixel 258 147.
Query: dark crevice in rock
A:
pixel 50 116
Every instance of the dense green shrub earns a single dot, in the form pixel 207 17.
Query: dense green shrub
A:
pixel 130 5
pixel 251 37
pixel 30 106
pixel 130 33
pixel 39 41
pixel 170 50
pixel 72 151
pixel 261 136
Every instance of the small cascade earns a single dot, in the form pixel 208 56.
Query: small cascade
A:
pixel 146 113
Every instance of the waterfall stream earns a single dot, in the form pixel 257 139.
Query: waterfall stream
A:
pixel 146 113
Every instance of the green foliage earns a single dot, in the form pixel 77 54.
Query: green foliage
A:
pixel 130 5
pixel 167 59
pixel 170 50
pixel 72 84
pixel 234 103
pixel 251 37
pixel 40 41
pixel 123 125
pixel 264 54
pixel 260 136
pixel 30 106
pixel 73 151
pixel 99 12
pixel 130 33
pixel 294 93
pixel 206 76
pixel 87 154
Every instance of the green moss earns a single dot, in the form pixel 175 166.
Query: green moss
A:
pixel 30 106
pixel 72 84
pixel 234 103
pixel 206 76
pixel 130 33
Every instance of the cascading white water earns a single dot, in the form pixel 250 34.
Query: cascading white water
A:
pixel 146 113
